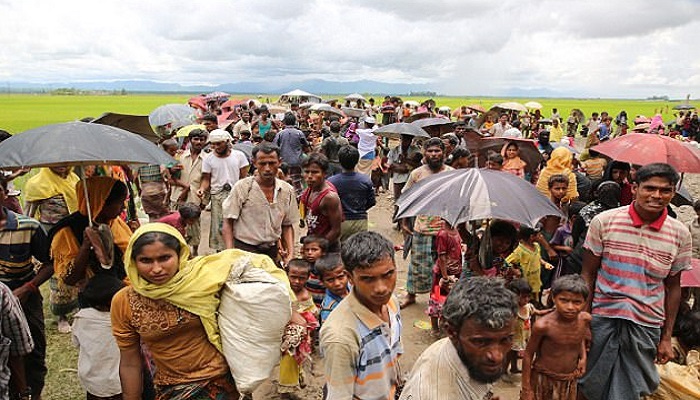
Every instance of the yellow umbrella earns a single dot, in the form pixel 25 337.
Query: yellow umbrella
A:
pixel 185 130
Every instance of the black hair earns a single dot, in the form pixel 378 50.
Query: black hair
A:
pixel 687 330
pixel 696 205
pixel 500 228
pixel 99 290
pixel 189 211
pixel 327 263
pixel 525 232
pixel 118 193
pixel 575 208
pixel 289 119
pixel 168 143
pixel 452 138
pixel 655 170
pixel 299 263
pixel 316 158
pixel 434 142
pixel 167 239
pixel 266 148
pixel 557 178
pixel 460 152
pixel 334 126
pixel 495 158
pixel 513 144
pixel 322 242
pixel 284 167
pixel 570 283
pixel 197 133
pixel 364 249
pixel 3 184
pixel 209 117
pixel 348 157
pixel 520 286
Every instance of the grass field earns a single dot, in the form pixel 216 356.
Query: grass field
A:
pixel 22 112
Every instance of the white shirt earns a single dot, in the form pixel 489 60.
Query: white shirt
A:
pixel 512 132
pixel 224 170
pixel 368 141
pixel 98 357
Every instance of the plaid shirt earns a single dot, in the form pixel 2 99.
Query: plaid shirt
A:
pixel 15 339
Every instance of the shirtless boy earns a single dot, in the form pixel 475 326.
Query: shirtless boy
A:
pixel 555 356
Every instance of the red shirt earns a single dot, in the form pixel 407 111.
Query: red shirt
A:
pixel 175 221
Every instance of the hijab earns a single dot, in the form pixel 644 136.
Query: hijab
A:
pixel 195 286
pixel 47 184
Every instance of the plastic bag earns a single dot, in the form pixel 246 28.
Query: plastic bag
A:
pixel 255 308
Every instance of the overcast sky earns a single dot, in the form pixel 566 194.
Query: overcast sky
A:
pixel 611 48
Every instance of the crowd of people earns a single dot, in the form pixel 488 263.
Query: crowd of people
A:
pixel 582 304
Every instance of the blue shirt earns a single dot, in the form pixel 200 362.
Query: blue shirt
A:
pixel 603 132
pixel 291 142
pixel 330 300
pixel 356 194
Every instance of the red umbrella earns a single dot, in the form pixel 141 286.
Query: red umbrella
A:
pixel 644 148
pixel 691 278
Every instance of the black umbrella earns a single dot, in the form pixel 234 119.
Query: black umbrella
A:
pixel 78 144
pixel 401 128
pixel 137 124
pixel 684 106
pixel 435 126
pixel 475 194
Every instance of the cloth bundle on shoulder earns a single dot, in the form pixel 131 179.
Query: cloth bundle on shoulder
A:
pixel 254 311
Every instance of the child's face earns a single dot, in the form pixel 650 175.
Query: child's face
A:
pixel 500 244
pixel 312 252
pixel 297 278
pixel 558 190
pixel 569 305
pixel 336 281
pixel 523 298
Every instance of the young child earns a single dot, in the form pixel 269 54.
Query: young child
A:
pixel 335 279
pixel 98 354
pixel 512 162
pixel 494 161
pixel 313 248
pixel 487 256
pixel 296 342
pixel 555 356
pixel 446 271
pixel 521 332
pixel 527 256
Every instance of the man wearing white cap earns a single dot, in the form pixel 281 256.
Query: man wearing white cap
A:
pixel 220 172
pixel 366 145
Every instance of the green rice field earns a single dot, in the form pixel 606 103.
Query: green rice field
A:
pixel 25 111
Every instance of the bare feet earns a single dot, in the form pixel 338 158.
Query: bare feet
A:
pixel 408 300
pixel 63 325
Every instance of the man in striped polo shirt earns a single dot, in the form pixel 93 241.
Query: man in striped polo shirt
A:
pixel 23 239
pixel 361 339
pixel 632 265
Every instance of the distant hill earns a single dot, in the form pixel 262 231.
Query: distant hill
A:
pixel 317 86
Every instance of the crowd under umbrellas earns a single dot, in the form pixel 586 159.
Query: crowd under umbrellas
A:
pixel 496 183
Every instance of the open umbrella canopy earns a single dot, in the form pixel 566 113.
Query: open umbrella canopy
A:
pixel 78 143
pixel 527 148
pixel 176 115
pixel 353 112
pixel 354 96
pixel 401 128
pixel 533 105
pixel 474 194
pixel 417 116
pixel 643 149
pixel 137 124
pixel 477 108
pixel 684 106
pixel 185 130
pixel 435 126
pixel 325 108
pixel 511 105
pixel 218 96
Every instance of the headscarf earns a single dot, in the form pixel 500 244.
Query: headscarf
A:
pixel 64 244
pixel 515 165
pixel 657 124
pixel 47 184
pixel 195 286
pixel 559 163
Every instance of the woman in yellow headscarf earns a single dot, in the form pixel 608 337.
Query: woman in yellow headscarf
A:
pixel 171 308
pixel 559 164
pixel 78 250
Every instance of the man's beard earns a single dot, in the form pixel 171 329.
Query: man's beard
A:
pixel 474 372
pixel 435 165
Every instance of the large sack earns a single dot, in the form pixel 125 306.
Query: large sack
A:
pixel 255 308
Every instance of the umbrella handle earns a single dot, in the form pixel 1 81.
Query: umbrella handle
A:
pixel 81 173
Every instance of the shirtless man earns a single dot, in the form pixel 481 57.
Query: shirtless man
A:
pixel 558 344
